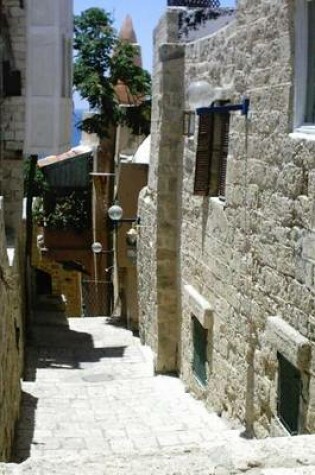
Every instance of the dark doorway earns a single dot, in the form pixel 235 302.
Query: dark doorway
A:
pixel 289 394
pixel 43 283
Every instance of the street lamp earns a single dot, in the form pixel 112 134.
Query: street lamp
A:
pixel 205 99
pixel 115 213
pixel 97 248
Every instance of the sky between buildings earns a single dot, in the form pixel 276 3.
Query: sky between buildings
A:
pixel 145 15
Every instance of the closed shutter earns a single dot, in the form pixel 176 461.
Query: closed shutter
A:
pixel 203 156
pixel 225 127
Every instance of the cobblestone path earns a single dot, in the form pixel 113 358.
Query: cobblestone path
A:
pixel 91 405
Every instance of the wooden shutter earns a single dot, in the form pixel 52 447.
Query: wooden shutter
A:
pixel 203 156
pixel 225 127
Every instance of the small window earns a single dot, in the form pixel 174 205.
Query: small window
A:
pixel 289 393
pixel 305 66
pixel 310 87
pixel 212 152
pixel 66 67
pixel 189 123
pixel 200 343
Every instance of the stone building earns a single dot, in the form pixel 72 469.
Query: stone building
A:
pixel 12 125
pixel 226 256
pixel 17 59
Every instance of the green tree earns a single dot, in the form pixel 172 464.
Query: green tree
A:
pixel 101 61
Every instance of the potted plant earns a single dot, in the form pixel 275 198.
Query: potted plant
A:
pixel 65 220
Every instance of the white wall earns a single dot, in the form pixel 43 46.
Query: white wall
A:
pixel 49 76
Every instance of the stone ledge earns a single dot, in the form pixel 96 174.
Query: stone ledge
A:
pixel 289 342
pixel 199 306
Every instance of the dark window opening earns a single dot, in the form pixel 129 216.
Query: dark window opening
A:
pixel 289 391
pixel 200 342
pixel 212 152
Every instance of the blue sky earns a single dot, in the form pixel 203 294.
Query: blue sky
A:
pixel 145 15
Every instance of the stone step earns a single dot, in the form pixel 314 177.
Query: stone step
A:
pixel 310 470
pixel 186 461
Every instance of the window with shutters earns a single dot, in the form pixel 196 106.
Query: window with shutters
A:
pixel 305 66
pixel 211 156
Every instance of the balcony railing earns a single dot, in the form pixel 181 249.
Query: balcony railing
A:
pixel 194 3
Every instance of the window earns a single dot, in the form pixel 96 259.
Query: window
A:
pixel 200 342
pixel 189 123
pixel 212 151
pixel 289 391
pixel 305 66
pixel 310 85
pixel 66 67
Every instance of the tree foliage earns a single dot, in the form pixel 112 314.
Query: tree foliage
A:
pixel 101 61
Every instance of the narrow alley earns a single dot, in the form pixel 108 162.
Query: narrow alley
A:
pixel 91 405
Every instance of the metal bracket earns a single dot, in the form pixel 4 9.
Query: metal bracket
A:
pixel 243 107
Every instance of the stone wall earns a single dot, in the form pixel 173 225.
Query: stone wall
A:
pixel 67 283
pixel 160 254
pixel 250 258
pixel 12 113
pixel 12 304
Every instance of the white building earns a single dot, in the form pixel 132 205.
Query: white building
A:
pixel 48 76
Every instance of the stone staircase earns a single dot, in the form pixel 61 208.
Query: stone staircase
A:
pixel 92 405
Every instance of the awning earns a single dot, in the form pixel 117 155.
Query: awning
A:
pixel 68 170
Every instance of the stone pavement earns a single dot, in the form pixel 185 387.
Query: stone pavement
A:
pixel 91 405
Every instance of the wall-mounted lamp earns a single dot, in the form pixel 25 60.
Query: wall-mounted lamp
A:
pixel 132 236
pixel 199 94
pixel 115 213
pixel 203 98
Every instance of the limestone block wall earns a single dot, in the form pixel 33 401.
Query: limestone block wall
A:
pixel 12 304
pixel 159 313
pixel 146 266
pixel 249 256
pixel 250 259
pixel 67 283
pixel 12 114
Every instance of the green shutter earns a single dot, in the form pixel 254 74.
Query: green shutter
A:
pixel 200 341
pixel 289 390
